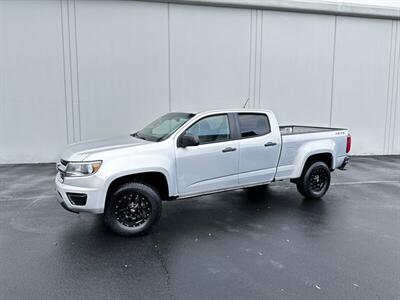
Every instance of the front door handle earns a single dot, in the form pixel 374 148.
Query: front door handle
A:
pixel 229 149
pixel 270 144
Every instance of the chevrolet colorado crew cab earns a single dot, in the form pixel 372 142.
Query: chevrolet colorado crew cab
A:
pixel 182 155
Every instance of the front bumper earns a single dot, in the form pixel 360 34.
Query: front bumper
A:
pixel 94 202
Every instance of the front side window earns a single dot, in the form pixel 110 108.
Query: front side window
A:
pixel 211 129
pixel 252 125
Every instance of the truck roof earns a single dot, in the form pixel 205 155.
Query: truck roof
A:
pixel 234 110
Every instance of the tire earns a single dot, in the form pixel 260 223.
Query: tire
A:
pixel 133 209
pixel 315 180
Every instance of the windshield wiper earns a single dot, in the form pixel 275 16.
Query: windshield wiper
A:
pixel 136 134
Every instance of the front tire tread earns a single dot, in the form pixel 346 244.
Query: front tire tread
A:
pixel 141 188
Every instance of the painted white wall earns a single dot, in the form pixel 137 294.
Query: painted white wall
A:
pixel 210 50
pixel 361 80
pixel 32 106
pixel 73 70
pixel 122 65
pixel 298 90
pixel 392 121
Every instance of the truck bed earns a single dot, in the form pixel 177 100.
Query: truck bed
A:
pixel 300 141
pixel 298 129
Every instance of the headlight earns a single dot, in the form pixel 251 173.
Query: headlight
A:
pixel 76 169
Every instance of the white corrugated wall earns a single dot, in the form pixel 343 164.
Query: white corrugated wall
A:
pixel 73 70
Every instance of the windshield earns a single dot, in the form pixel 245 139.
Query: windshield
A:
pixel 163 127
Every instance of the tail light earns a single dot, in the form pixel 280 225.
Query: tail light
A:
pixel 348 145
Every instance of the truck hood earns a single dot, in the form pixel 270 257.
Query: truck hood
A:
pixel 81 150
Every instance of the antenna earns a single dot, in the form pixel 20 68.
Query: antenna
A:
pixel 247 101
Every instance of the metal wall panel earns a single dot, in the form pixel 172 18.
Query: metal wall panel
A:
pixel 392 122
pixel 210 53
pixel 361 80
pixel 79 69
pixel 396 103
pixel 32 113
pixel 297 64
pixel 122 54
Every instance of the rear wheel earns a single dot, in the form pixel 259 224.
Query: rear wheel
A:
pixel 132 209
pixel 315 180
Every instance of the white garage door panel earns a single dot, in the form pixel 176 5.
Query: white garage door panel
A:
pixel 361 81
pixel 297 61
pixel 123 65
pixel 210 51
pixel 32 115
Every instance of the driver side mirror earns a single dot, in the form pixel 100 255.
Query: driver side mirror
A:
pixel 187 140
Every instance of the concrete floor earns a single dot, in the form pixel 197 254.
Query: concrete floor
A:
pixel 235 245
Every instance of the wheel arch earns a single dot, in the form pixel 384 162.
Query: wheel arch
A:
pixel 156 179
pixel 326 157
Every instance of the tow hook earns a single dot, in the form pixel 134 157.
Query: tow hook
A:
pixel 345 162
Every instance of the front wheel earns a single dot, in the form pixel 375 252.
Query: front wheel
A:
pixel 315 180
pixel 132 209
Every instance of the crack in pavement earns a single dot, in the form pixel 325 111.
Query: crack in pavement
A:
pixel 160 257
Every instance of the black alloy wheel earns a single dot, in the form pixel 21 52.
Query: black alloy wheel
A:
pixel 132 209
pixel 318 179
pixel 315 180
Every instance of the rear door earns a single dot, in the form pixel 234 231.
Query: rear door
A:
pixel 259 148
pixel 212 165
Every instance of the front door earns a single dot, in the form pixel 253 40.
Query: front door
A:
pixel 212 165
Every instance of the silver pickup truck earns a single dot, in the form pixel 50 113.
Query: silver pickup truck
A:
pixel 182 155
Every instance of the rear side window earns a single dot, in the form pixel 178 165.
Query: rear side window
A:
pixel 252 125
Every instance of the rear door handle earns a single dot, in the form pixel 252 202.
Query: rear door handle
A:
pixel 229 149
pixel 270 144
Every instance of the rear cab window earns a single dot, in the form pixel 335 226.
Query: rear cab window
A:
pixel 253 125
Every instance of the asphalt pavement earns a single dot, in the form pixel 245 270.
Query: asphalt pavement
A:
pixel 264 244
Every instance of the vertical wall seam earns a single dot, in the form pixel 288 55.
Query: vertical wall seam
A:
pixel 64 71
pixel 70 73
pixel 394 78
pixel 388 93
pixel 77 75
pixel 396 97
pixel 397 113
pixel 250 53
pixel 393 90
pixel 260 63
pixel 395 93
pixel 255 61
pixel 393 87
pixel 333 70
pixel 169 59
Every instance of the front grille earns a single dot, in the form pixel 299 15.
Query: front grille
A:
pixel 61 167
